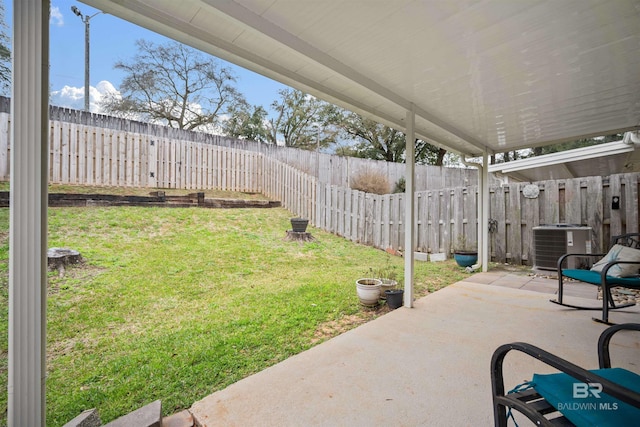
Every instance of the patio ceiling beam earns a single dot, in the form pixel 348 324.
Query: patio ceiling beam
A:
pixel 28 214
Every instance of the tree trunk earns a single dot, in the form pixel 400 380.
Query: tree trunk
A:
pixel 59 258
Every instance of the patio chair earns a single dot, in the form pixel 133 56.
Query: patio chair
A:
pixel 574 396
pixel 620 267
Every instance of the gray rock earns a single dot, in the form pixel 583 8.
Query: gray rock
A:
pixel 147 416
pixel 88 418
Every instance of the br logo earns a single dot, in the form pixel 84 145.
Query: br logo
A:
pixel 582 390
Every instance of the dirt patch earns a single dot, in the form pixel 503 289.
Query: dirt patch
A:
pixel 62 348
pixel 334 328
pixel 75 275
pixel 512 268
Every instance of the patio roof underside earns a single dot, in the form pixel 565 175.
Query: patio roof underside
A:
pixel 599 160
pixel 494 75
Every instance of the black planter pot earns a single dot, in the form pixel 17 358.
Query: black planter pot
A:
pixel 299 225
pixel 394 298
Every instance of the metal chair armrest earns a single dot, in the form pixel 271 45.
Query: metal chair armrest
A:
pixel 566 256
pixel 605 269
pixel 604 357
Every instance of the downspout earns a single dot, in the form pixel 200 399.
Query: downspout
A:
pixel 482 212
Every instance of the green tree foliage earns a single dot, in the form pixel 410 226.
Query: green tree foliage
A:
pixel 304 121
pixel 301 120
pixel 555 148
pixel 247 122
pixel 376 141
pixel 373 140
pixel 588 142
pixel 176 85
pixel 5 55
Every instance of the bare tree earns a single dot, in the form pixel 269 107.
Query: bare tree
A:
pixel 176 85
pixel 5 55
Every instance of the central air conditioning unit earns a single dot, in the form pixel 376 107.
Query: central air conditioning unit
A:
pixel 550 242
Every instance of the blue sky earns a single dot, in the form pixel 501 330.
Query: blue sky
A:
pixel 113 39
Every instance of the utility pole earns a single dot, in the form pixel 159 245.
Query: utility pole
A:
pixel 85 19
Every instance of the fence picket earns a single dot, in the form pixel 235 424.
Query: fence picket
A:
pixel 73 154
pixel 90 142
pixel 55 148
pixel 615 188
pixel 631 203
pixel 595 213
pixel 98 156
pixel 513 251
pixel 64 161
pixel 5 137
pixel 498 214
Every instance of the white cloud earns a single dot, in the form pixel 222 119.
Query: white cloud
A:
pixel 73 97
pixel 56 17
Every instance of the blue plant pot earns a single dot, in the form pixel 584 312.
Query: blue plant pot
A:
pixel 465 259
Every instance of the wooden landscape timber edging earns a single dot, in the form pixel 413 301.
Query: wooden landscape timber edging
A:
pixel 159 200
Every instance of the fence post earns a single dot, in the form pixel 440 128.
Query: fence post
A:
pixel 152 179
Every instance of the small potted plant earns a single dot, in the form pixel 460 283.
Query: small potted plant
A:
pixel 387 275
pixel 465 253
pixel 368 290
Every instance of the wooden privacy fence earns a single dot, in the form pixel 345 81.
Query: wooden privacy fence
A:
pixel 79 154
pixel 441 216
pixel 296 190
pixel 88 155
pixel 327 168
pixel 94 149
pixel 444 215
pixel 584 201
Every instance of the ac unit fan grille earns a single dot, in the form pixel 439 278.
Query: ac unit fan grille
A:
pixel 550 245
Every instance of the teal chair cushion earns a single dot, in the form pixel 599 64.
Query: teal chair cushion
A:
pixel 583 405
pixel 594 278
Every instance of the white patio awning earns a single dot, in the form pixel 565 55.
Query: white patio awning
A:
pixel 598 160
pixel 489 74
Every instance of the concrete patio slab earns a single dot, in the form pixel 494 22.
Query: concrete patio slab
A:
pixel 428 365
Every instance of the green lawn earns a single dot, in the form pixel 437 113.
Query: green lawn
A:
pixel 174 304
